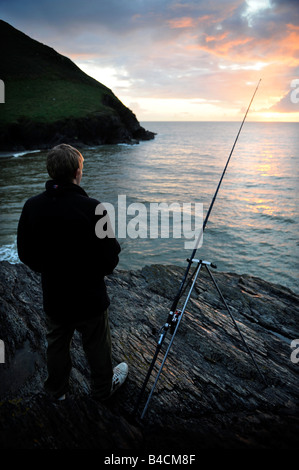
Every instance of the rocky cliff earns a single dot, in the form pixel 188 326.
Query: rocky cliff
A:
pixel 49 100
pixel 209 394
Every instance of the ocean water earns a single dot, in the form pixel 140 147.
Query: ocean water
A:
pixel 253 227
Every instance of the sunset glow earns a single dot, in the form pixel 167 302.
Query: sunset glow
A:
pixel 178 60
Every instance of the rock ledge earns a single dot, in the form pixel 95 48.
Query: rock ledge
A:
pixel 209 394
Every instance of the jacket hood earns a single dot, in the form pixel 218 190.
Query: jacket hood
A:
pixel 59 188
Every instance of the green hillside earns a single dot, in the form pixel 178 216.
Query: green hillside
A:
pixel 49 100
pixel 42 88
pixel 42 84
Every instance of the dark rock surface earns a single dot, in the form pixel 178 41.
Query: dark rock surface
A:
pixel 209 394
pixel 97 129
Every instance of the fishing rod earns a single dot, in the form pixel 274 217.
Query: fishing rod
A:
pixel 174 316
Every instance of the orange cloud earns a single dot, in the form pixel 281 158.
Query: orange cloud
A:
pixel 245 48
pixel 216 38
pixel 185 22
pixel 223 46
pixel 289 46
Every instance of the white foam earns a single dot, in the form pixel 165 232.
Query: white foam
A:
pixel 18 154
pixel 9 253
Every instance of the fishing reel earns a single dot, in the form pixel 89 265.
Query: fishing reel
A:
pixel 170 325
pixel 174 320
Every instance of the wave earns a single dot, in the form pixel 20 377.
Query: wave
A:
pixel 9 253
pixel 17 154
pixel 280 218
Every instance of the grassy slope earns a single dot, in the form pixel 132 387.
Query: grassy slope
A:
pixel 48 101
pixel 43 85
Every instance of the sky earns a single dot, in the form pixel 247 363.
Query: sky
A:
pixel 177 60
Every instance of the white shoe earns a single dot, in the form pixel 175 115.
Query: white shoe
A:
pixel 120 373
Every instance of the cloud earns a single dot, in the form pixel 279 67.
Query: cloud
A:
pixel 263 32
pixel 172 49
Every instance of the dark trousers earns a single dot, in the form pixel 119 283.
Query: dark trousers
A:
pixel 96 341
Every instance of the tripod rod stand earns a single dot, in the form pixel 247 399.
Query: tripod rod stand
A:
pixel 176 319
pixel 236 325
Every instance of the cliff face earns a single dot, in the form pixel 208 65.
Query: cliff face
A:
pixel 49 100
pixel 209 394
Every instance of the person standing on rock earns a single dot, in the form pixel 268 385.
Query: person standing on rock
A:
pixel 56 237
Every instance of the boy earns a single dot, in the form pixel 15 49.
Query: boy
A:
pixel 56 237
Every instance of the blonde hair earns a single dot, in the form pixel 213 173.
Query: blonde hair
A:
pixel 63 161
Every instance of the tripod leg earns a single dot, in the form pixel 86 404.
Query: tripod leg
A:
pixel 171 341
pixel 227 307
pixel 158 348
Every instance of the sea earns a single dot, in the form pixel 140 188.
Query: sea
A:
pixel 159 191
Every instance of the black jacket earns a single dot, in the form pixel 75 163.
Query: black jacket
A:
pixel 56 237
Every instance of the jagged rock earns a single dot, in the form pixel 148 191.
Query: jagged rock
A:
pixel 209 394
pixel 99 129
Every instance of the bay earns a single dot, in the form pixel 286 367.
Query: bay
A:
pixel 253 227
